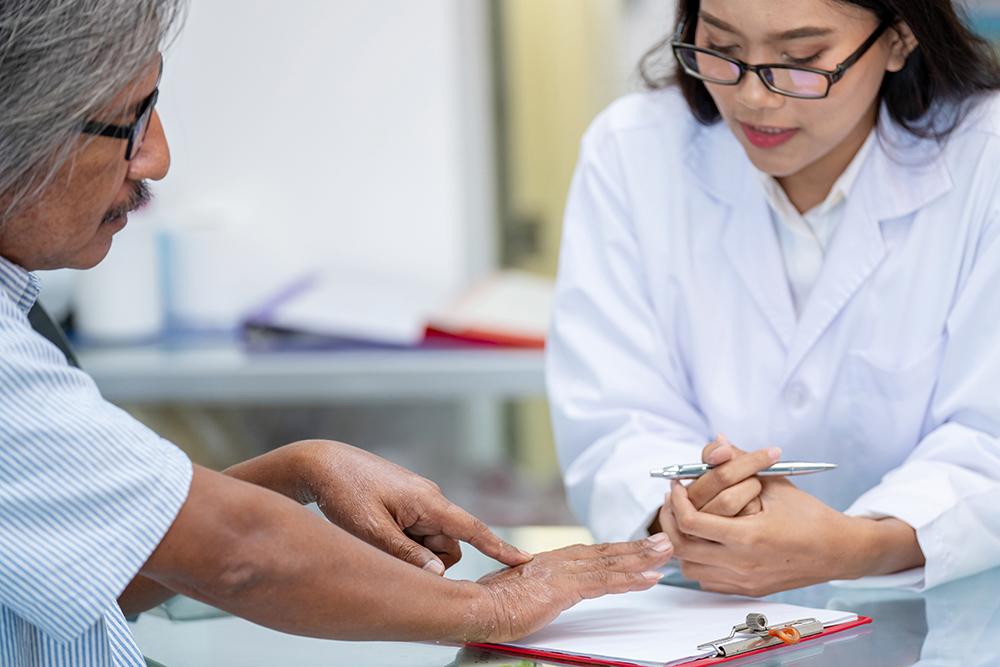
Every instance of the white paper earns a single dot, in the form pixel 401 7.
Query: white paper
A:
pixel 511 302
pixel 660 626
pixel 361 306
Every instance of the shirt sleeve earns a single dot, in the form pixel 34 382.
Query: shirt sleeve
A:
pixel 948 489
pixel 616 387
pixel 86 491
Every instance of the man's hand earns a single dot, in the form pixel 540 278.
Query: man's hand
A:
pixel 521 600
pixel 795 541
pixel 254 553
pixel 384 504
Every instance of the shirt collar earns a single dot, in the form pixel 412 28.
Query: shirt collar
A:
pixel 20 285
pixel 842 187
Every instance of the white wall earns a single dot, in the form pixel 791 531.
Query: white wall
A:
pixel 337 131
pixel 644 23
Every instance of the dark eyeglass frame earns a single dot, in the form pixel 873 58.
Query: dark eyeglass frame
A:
pixel 136 132
pixel 831 76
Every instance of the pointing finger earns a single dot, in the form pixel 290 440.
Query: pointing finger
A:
pixel 460 525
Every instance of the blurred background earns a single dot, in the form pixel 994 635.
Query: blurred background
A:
pixel 359 233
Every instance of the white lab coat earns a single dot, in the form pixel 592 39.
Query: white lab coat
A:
pixel 673 322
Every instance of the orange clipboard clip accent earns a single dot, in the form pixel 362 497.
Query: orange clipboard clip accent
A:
pixel 788 635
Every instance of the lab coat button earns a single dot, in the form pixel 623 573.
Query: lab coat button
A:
pixel 797 396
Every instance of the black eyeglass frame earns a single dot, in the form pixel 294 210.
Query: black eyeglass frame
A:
pixel 831 76
pixel 131 132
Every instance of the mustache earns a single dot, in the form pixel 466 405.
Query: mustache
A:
pixel 141 195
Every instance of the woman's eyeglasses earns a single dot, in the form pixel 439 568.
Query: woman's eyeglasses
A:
pixel 807 83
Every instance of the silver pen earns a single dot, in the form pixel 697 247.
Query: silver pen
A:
pixel 780 469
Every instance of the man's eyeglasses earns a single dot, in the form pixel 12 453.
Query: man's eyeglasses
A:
pixel 136 132
pixel 807 83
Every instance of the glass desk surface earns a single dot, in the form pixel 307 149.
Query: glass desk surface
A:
pixel 955 624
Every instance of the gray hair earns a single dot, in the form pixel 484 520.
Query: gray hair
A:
pixel 60 62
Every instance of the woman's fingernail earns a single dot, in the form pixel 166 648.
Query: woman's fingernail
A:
pixel 525 554
pixel 658 537
pixel 652 575
pixel 435 566
pixel 774 453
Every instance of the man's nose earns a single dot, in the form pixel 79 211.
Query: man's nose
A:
pixel 152 162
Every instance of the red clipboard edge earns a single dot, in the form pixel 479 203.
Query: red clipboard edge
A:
pixel 704 662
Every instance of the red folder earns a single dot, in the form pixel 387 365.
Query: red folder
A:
pixel 703 662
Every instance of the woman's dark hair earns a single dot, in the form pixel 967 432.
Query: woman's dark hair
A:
pixel 929 97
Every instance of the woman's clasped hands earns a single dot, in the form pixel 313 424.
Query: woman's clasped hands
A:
pixel 734 532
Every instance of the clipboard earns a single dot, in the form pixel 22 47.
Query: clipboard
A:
pixel 673 626
pixel 752 637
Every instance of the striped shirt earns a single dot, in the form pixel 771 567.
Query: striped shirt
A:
pixel 86 494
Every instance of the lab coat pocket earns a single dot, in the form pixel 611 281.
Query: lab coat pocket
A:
pixel 889 399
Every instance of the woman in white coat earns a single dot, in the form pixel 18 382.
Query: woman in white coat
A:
pixel 802 255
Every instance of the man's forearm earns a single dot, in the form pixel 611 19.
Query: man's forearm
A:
pixel 143 594
pixel 284 470
pixel 251 552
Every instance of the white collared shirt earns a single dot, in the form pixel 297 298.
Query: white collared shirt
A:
pixel 804 237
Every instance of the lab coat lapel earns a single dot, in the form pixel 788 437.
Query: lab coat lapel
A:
pixel 751 244
pixel 749 240
pixel 856 252
pixel 901 175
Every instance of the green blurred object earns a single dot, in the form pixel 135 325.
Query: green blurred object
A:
pixel 182 608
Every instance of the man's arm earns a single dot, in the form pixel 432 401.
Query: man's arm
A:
pixel 263 557
pixel 385 505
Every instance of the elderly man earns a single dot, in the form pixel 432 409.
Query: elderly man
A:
pixel 99 517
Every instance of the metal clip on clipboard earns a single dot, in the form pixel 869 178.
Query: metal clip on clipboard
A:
pixel 756 634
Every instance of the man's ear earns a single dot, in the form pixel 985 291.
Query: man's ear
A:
pixel 902 44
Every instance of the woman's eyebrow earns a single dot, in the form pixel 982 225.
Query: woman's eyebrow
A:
pixel 795 33
pixel 717 22
pixel 801 33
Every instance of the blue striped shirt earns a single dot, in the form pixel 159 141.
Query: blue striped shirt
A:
pixel 86 494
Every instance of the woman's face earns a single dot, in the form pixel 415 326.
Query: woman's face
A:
pixel 782 135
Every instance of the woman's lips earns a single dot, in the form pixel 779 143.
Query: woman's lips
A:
pixel 767 137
